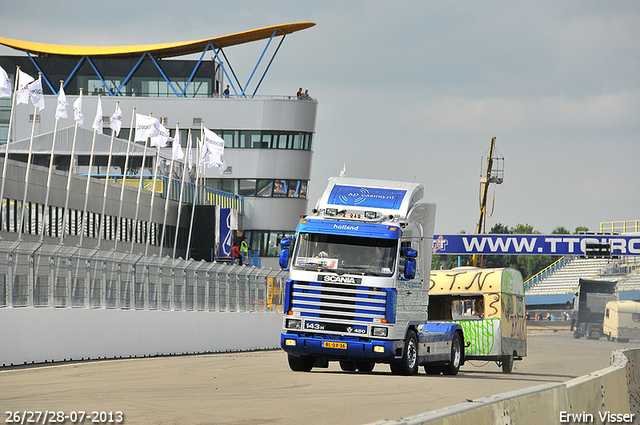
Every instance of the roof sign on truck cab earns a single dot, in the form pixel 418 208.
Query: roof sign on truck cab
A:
pixel 368 197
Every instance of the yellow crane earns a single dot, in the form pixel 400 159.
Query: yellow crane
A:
pixel 494 174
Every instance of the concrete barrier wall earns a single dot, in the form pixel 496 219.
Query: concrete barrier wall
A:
pixel 36 335
pixel 612 390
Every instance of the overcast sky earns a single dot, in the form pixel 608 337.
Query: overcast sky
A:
pixel 414 91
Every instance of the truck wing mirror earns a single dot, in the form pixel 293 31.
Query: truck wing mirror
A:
pixel 285 245
pixel 410 256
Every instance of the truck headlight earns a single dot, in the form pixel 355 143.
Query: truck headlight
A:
pixel 293 324
pixel 378 331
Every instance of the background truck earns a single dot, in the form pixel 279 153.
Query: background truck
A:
pixel 358 283
pixel 589 305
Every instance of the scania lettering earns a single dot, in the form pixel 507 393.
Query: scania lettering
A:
pixel 358 284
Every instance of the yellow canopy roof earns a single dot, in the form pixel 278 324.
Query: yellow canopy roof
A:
pixel 162 50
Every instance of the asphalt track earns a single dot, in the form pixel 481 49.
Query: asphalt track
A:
pixel 258 387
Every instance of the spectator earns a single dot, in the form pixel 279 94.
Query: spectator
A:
pixel 226 91
pixel 306 95
pixel 244 250
pixel 235 254
pixel 299 94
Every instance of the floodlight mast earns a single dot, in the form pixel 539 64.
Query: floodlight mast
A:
pixel 494 174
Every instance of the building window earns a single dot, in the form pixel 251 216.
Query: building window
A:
pixel 262 188
pixel 265 188
pixel 266 242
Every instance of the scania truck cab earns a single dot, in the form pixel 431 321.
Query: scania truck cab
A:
pixel 357 291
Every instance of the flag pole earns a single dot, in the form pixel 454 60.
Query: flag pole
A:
pixel 153 196
pixel 184 173
pixel 193 205
pixel 135 220
pixel 73 149
pixel 124 180
pixel 176 139
pixel 28 170
pixel 103 221
pixel 46 217
pixel 6 146
pixel 88 185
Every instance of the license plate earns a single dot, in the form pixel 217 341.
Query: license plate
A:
pixel 333 344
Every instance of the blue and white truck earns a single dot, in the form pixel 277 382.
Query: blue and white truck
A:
pixel 357 291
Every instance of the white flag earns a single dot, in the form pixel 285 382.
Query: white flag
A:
pixel 190 162
pixel 161 139
pixel 178 155
pixel 146 126
pixel 223 166
pixel 344 170
pixel 212 150
pixel 77 110
pixel 61 108
pixel 115 123
pixel 36 94
pixel 213 143
pixel 98 120
pixel 5 83
pixel 22 94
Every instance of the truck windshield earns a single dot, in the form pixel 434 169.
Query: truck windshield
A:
pixel 346 254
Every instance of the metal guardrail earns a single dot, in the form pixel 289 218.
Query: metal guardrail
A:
pixel 629 226
pixel 44 275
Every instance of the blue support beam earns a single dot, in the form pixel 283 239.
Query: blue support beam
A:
pixel 237 87
pixel 259 60
pixel 40 71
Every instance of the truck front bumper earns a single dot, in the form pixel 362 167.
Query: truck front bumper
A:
pixel 379 351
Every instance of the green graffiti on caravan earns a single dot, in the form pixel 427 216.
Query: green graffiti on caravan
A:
pixel 511 282
pixel 483 335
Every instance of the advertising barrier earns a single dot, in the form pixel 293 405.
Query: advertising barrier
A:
pixel 533 244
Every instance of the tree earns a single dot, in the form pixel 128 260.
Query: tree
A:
pixel 527 265
pixel 560 230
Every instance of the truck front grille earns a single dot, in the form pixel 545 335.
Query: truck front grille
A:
pixel 325 300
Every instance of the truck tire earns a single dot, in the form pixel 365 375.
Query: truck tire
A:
pixel 507 364
pixel 456 356
pixel 576 333
pixel 409 363
pixel 348 365
pixel 300 363
pixel 364 366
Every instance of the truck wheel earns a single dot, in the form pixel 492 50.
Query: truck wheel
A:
pixel 456 356
pixel 347 365
pixel 576 333
pixel 365 366
pixel 507 364
pixel 300 363
pixel 409 363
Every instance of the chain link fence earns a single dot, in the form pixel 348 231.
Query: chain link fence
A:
pixel 43 275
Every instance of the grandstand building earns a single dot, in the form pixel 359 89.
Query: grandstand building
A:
pixel 268 142
pixel 556 285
